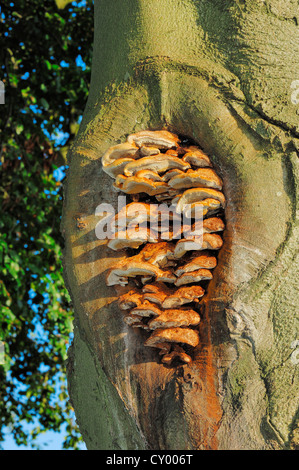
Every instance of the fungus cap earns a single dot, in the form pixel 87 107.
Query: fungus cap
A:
pixel 172 174
pixel 124 150
pixel 213 224
pixel 173 335
pixel 130 299
pixel 161 139
pixel 193 277
pixel 133 320
pixel 136 185
pixel 202 177
pixel 158 254
pixel 117 167
pixel 209 241
pixel 196 157
pixel 129 268
pixel 195 195
pixel 157 163
pixel 207 208
pixel 183 295
pixel 205 261
pixel 146 309
pixel 147 151
pixel 149 175
pixel 175 318
pixel 177 352
pixel 130 238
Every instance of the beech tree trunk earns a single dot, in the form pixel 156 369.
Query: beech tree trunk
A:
pixel 222 73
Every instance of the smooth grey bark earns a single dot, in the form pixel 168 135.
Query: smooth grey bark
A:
pixel 221 73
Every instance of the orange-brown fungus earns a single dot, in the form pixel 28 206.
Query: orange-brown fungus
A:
pixel 169 272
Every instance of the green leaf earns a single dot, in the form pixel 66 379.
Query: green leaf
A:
pixel 48 64
pixel 44 103
pixel 61 4
pixel 19 129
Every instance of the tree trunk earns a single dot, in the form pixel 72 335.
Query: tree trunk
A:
pixel 222 74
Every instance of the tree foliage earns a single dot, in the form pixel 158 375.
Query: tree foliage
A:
pixel 45 59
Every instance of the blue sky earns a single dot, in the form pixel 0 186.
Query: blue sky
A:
pixel 47 441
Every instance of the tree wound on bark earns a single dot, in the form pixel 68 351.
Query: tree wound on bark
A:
pixel 164 280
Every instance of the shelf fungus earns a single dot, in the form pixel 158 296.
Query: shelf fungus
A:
pixel 170 230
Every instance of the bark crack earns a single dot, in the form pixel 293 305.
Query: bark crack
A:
pixel 218 77
pixel 273 122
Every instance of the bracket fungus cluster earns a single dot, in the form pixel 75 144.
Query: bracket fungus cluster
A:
pixel 167 267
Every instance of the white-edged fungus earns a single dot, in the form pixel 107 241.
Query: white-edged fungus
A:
pixel 208 207
pixel 141 212
pixel 147 151
pixel 156 292
pixel 130 299
pixel 213 224
pixel 173 335
pixel 173 152
pixel 173 318
pixel 136 185
pixel 134 212
pixel 146 309
pixel 167 270
pixel 167 195
pixel 124 150
pixel 210 241
pixel 134 320
pixel 202 177
pixel 157 163
pixel 194 195
pixel 155 297
pixel 183 295
pixel 172 174
pixel 193 277
pixel 196 157
pixel 130 238
pixel 205 261
pixel 149 175
pixel 117 167
pixel 160 139
pixel 159 254
pixel 129 268
pixel 167 275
